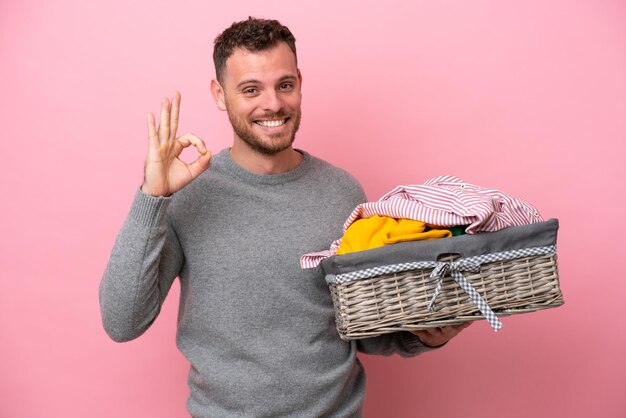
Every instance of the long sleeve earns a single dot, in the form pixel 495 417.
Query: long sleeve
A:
pixel 145 260
pixel 402 343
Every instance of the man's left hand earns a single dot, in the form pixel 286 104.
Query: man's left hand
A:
pixel 434 337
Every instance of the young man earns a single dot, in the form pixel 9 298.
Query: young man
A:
pixel 258 331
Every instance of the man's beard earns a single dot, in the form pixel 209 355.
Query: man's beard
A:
pixel 275 143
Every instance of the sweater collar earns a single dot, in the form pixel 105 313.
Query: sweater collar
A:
pixel 224 162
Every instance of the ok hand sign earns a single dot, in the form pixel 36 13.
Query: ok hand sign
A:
pixel 165 173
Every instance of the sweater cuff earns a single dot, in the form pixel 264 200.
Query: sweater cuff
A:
pixel 149 210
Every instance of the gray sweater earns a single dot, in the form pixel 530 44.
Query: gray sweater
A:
pixel 258 331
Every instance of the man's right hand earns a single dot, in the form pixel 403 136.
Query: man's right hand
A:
pixel 165 173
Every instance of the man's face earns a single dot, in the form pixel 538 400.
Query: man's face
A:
pixel 261 91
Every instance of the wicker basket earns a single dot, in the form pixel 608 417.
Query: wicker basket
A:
pixel 370 303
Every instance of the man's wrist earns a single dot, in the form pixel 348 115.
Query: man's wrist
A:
pixel 146 191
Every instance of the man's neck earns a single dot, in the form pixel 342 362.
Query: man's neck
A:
pixel 258 163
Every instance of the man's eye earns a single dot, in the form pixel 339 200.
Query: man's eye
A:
pixel 286 86
pixel 250 90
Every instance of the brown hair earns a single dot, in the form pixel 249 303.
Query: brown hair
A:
pixel 252 34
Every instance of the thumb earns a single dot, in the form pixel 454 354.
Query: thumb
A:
pixel 201 164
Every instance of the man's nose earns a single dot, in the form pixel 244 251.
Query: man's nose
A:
pixel 272 101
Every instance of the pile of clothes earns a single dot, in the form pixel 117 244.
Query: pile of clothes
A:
pixel 442 207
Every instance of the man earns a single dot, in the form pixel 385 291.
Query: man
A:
pixel 258 331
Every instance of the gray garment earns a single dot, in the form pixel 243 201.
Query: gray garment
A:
pixel 258 331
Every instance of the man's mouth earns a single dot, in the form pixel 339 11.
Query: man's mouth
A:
pixel 271 123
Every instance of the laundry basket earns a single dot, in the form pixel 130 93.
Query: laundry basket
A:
pixel 417 285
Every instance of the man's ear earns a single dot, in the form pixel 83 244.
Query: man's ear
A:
pixel 299 76
pixel 218 94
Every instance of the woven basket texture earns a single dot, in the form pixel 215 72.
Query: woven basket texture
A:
pixel 399 301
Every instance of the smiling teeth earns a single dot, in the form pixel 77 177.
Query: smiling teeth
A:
pixel 271 123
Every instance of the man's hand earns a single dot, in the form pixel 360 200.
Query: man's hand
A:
pixel 434 337
pixel 165 173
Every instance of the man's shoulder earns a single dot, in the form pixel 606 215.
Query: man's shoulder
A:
pixel 326 168
pixel 332 182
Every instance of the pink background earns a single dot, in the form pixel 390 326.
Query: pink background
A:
pixel 526 97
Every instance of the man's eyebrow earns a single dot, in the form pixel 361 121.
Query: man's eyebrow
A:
pixel 249 81
pixel 287 77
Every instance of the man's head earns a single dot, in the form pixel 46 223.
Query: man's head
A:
pixel 258 84
pixel 252 35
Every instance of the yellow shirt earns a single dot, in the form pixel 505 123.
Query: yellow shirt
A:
pixel 376 231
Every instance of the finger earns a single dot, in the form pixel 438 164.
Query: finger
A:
pixel 201 164
pixel 427 334
pixel 153 138
pixel 164 124
pixel 174 114
pixel 191 139
pixel 453 330
pixel 445 332
pixel 449 332
pixel 433 332
pixel 429 337
pixel 461 327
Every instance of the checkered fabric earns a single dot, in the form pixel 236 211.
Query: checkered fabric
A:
pixel 455 268
pixel 419 265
